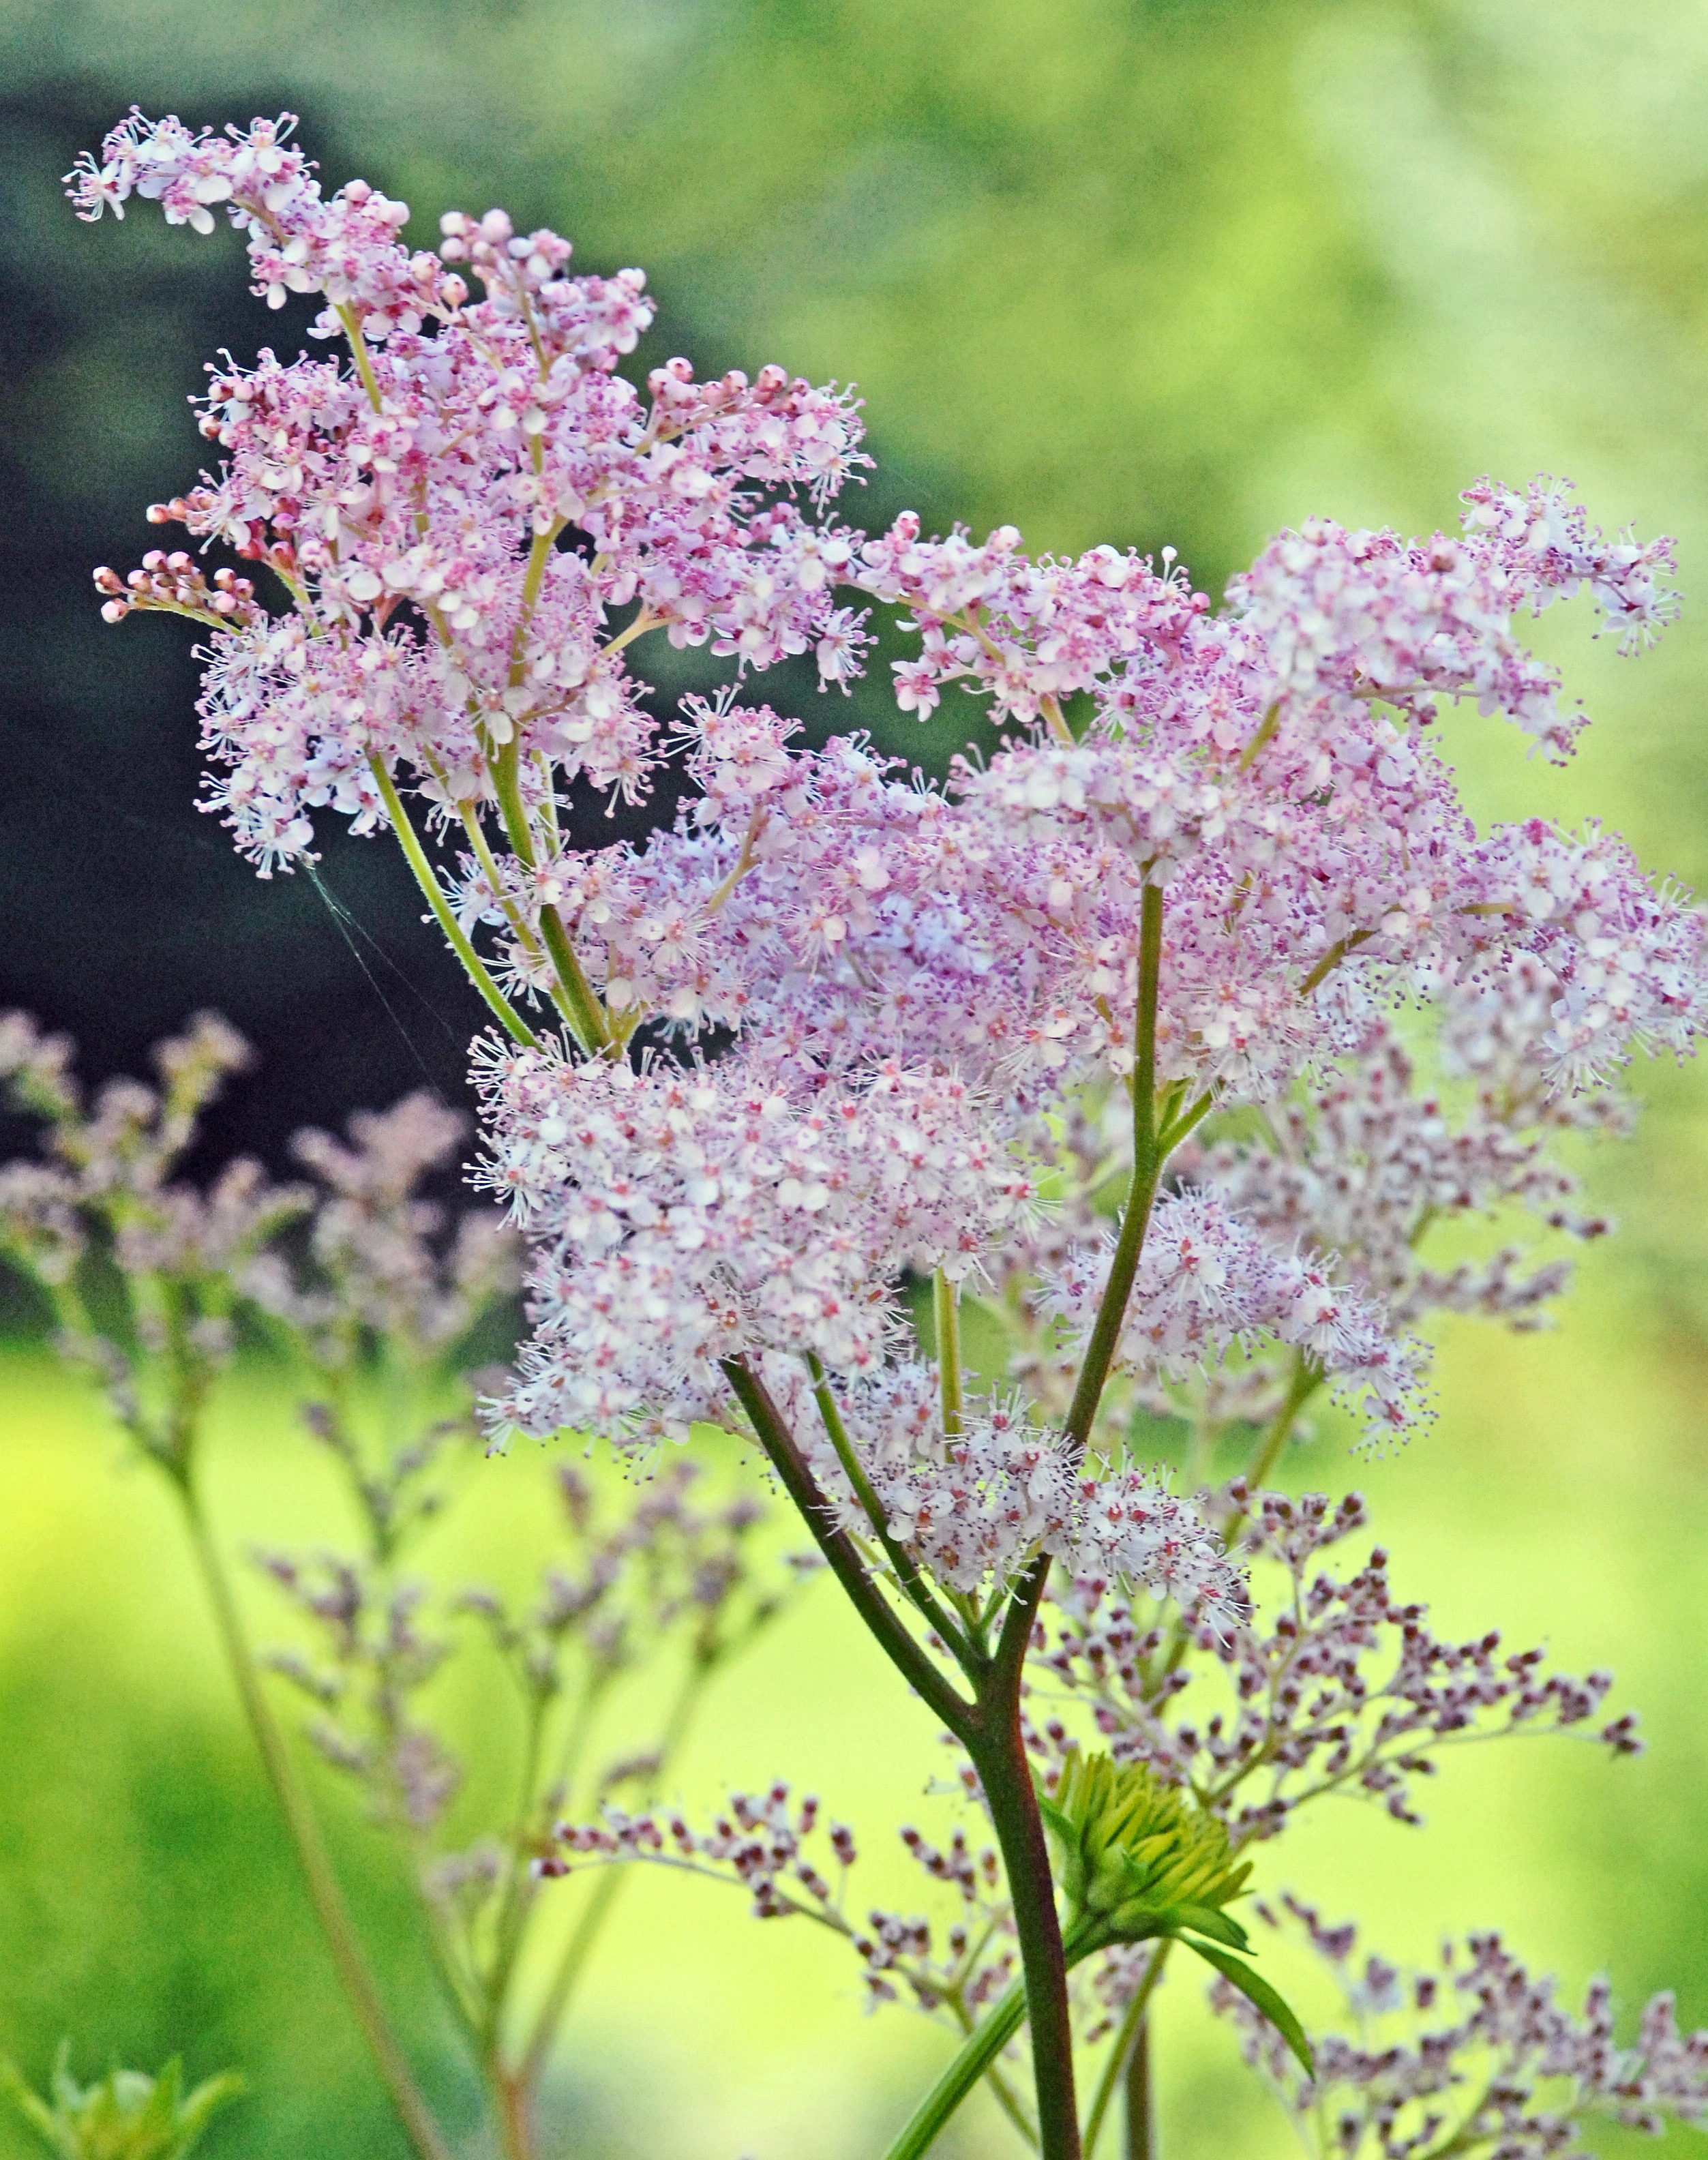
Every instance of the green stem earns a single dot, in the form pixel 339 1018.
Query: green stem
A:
pixel 1141 2099
pixel 1147 1168
pixel 906 1573
pixel 946 1311
pixel 1133 2025
pixel 324 1893
pixel 980 2051
pixel 512 1022
pixel 597 1909
pixel 796 1478
pixel 575 997
pixel 359 353
pixel 512 1914
pixel 1308 1379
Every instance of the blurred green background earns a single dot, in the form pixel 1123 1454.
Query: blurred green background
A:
pixel 1179 272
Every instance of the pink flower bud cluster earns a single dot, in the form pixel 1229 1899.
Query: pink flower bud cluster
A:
pixel 974 1507
pixel 1208 1281
pixel 173 582
pixel 682 1216
pixel 1453 2057
pixel 783 1853
pixel 1329 1683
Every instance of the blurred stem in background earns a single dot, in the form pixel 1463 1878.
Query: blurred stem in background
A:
pixel 148 1278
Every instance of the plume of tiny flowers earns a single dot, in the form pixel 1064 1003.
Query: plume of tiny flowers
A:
pixel 1208 1282
pixel 406 503
pixel 1452 2058
pixel 1370 1162
pixel 683 1215
pixel 906 981
pixel 972 1507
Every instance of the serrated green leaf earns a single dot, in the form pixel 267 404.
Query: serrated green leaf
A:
pixel 1261 1996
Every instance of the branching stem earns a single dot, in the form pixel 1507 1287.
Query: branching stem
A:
pixel 415 855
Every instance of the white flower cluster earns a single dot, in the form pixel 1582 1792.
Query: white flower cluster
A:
pixel 680 1216
pixel 974 1507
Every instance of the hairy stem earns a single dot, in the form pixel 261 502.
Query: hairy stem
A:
pixel 324 1889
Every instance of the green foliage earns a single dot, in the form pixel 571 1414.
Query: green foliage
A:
pixel 1136 1858
pixel 128 2116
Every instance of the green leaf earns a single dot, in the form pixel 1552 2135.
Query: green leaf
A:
pixel 203 2103
pixel 1261 1996
pixel 1219 1926
pixel 35 2111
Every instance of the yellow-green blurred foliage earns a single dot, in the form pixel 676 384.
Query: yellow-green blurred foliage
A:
pixel 1179 271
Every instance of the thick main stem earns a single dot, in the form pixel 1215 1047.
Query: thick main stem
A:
pixel 324 1893
pixel 1006 1775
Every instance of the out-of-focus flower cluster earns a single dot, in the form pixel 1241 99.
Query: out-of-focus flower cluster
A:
pixel 331 1268
pixel 1329 1683
pixel 626 1581
pixel 1478 2055
pixel 107 1193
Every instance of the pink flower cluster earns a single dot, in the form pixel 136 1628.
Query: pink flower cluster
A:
pixel 1208 1281
pixel 973 1506
pixel 410 507
pixel 681 1216
pixel 765 1843
pixel 887 994
pixel 1453 2057
pixel 1328 1682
